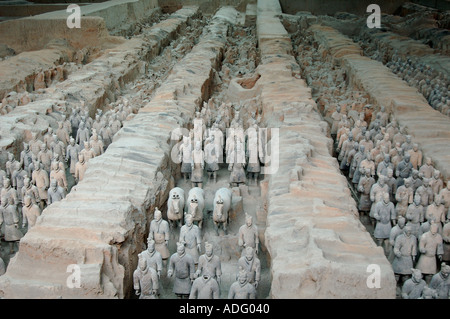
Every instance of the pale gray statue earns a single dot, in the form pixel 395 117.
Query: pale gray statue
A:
pixel 190 237
pixel 181 264
pixel 441 282
pixel 145 280
pixel 205 287
pixel 160 233
pixel 242 289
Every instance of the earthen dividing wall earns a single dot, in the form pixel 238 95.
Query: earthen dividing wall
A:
pixel 101 225
pixel 317 245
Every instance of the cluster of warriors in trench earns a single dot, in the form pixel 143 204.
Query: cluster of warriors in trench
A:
pixel 195 275
pixel 206 147
pixel 402 195
pixel 227 139
pixel 38 177
pixel 434 85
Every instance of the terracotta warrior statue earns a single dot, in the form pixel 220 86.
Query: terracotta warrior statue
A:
pixel 413 287
pixel 205 287
pixel 181 264
pixel 248 235
pixel 185 157
pixel 10 217
pixel 197 165
pixel 209 263
pixel 405 251
pixel 190 237
pixel 145 280
pixel 251 264
pixel 441 282
pixel 242 289
pixel 30 212
pixel 159 232
pixel 430 247
pixel 153 257
pixel 55 192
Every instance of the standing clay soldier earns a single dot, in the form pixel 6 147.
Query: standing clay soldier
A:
pixel 11 165
pixel 364 186
pixel 8 191
pixel 153 257
pixel 45 157
pixel 415 216
pixel 55 192
pixel 404 197
pixel 383 167
pixel 336 118
pixel 426 194
pixel 83 134
pixel 29 189
pixel 436 211
pixel 59 175
pixel 97 145
pixel 392 184
pixel 236 167
pixel 190 237
pixel 63 134
pixel 354 164
pixel 17 182
pixel 416 180
pixel 405 251
pixel 30 212
pixel 385 215
pixel 251 264
pixel 10 217
pixel 41 180
pixel 185 158
pixel 367 163
pixel 209 263
pixel 446 240
pixel 197 165
pixel 87 152
pixel 58 149
pixel 205 287
pixel 413 287
pixel 35 144
pixel 407 145
pixel 427 169
pixel 159 232
pixel 436 183
pixel 415 156
pixel 72 155
pixel 445 195
pixel 48 137
pixel 404 170
pixel 253 166
pixel 376 195
pixel 242 289
pixel 248 235
pixel 26 157
pixel 80 168
pixel 182 265
pixel 430 246
pixel 199 128
pixel 441 282
pixel 145 280
pixel 212 158
pixel 395 232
